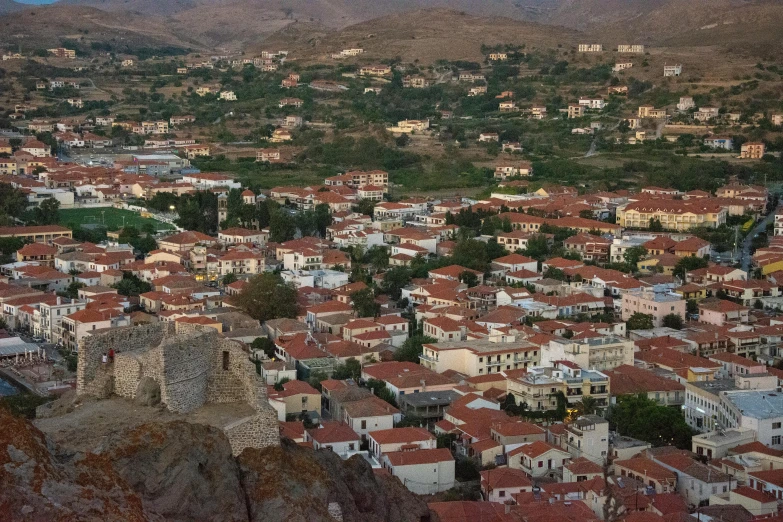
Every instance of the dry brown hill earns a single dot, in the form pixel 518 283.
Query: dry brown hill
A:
pixel 424 35
pixel 741 25
pixel 47 26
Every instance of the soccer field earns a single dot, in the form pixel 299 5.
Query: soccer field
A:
pixel 111 217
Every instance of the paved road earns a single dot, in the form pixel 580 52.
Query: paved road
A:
pixel 591 150
pixel 760 227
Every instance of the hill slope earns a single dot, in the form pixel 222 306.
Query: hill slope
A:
pixel 424 35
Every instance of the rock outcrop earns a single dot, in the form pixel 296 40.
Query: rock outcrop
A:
pixel 318 485
pixel 185 471
pixel 36 484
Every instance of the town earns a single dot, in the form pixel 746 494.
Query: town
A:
pixel 544 285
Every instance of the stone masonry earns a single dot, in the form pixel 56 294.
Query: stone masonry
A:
pixel 194 367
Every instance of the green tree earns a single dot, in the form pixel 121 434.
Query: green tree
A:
pixel 382 391
pixel 639 321
pixel 13 202
pixel 412 348
pixel 281 225
pixel 267 297
pixel 587 405
pixel 394 280
pixel 688 264
pixel 364 304
pixel 47 212
pixel 642 418
pixel 633 255
pixel 537 247
pixel 265 345
pixel 228 279
pixel 691 306
pixel 655 225
pixel 378 258
pixel 672 321
pixel 131 285
pixel 469 278
pixel 350 369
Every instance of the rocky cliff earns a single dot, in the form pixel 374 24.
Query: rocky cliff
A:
pixel 183 471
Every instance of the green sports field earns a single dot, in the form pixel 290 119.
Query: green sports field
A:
pixel 111 217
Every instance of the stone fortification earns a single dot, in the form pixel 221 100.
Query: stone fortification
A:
pixel 184 370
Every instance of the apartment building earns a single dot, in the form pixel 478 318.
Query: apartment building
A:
pixel 600 352
pixel 752 150
pixel 673 214
pixel 590 48
pixel 480 357
pixel 761 410
pixel 630 48
pixel 656 304
pixel 537 387
pixel 587 437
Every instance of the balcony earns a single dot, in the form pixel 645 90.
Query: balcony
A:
pixel 428 358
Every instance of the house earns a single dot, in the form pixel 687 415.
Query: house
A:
pixel 749 150
pixel 370 414
pixel 590 48
pixel 36 148
pixel 280 135
pixel 294 102
pixel 375 70
pixel 538 459
pixel 630 48
pixel 575 110
pixel 501 484
pixel 581 469
pixel 719 142
pixel 400 439
pixel 672 70
pixel 656 304
pixel 648 472
pixel 297 397
pixel 720 312
pixel 631 380
pixel 423 471
pixel 696 482
pixel 486 137
pixel 335 436
pixel 495 57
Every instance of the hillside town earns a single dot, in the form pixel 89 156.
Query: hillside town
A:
pixel 451 291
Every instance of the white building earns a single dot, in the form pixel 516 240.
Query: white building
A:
pixel 424 471
pixel 761 411
pixel 672 70
pixel 630 48
pixel 591 48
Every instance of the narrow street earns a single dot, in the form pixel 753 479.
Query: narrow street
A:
pixel 745 253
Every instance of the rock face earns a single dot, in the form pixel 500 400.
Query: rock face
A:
pixel 37 485
pixel 319 484
pixel 183 471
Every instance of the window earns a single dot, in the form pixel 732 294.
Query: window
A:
pixel 776 440
pixel 540 463
pixel 501 493
pixel 364 424
pixel 775 425
pixel 225 360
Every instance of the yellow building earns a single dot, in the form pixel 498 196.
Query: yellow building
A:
pixel 673 214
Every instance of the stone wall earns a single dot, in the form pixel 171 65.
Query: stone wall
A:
pixel 186 370
pixel 193 367
pixel 124 339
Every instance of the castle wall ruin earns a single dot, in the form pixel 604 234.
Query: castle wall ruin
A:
pixel 193 367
